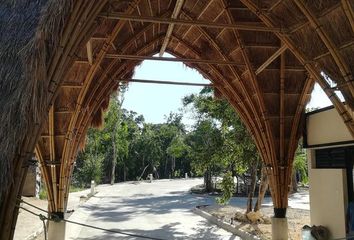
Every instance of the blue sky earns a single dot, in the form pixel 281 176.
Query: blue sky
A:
pixel 157 101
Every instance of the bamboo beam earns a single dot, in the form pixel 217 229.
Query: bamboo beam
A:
pixel 342 47
pixel 259 108
pixel 282 160
pixel 51 121
pixel 59 62
pixel 348 10
pixel 89 52
pixel 164 82
pixel 342 65
pixel 206 6
pixel 171 59
pixel 275 5
pixel 252 121
pixel 138 18
pixel 178 7
pixel 94 68
pixel 44 171
pixel 271 59
pixel 311 68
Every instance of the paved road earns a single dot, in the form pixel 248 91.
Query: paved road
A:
pixel 160 209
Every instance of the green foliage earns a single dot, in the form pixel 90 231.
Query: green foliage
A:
pixel 217 142
pixel 90 169
pixel 43 195
pixel 227 187
pixel 300 164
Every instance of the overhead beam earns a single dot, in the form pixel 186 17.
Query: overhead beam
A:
pixel 138 18
pixel 165 82
pixel 271 59
pixel 176 11
pixel 52 154
pixel 348 12
pixel 342 65
pixel 171 59
pixel 89 52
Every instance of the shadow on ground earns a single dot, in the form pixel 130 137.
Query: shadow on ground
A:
pixel 202 231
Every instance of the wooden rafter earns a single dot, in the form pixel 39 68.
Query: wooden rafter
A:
pixel 271 59
pixel 176 11
pixel 138 18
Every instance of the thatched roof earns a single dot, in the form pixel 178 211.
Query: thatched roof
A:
pixel 267 61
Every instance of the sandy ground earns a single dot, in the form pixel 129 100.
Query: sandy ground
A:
pixel 139 208
pixel 297 218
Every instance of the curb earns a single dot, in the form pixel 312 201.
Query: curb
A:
pixel 226 226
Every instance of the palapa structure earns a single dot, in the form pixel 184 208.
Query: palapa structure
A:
pixel 61 60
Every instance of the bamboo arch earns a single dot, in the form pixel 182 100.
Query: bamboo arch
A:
pixel 74 57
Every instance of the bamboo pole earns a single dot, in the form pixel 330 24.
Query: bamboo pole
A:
pixel 27 147
pixel 266 133
pixel 164 82
pixel 282 162
pixel 313 70
pixel 67 144
pixel 271 59
pixel 81 33
pixel 171 59
pixel 238 78
pixel 139 18
pixel 44 171
pixel 177 9
pixel 332 48
pixel 348 10
pixel 309 66
pixel 52 156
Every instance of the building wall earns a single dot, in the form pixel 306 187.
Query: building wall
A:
pixel 32 182
pixel 328 197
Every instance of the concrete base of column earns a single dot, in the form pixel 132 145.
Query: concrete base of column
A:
pixel 279 228
pixel 56 230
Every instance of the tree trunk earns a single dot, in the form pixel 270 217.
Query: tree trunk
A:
pixel 252 187
pixel 113 162
pixel 166 168
pixel 124 172
pixel 237 183
pixel 293 182
pixel 262 189
pixel 207 181
pixel 173 165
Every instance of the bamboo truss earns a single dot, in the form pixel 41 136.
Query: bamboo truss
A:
pixel 265 65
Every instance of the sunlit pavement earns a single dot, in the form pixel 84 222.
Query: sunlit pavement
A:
pixel 161 209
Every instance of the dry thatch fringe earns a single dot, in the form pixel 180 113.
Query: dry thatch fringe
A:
pixel 26 47
pixel 97 119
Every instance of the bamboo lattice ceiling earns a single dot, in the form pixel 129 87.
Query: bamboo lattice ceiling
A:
pixel 263 56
